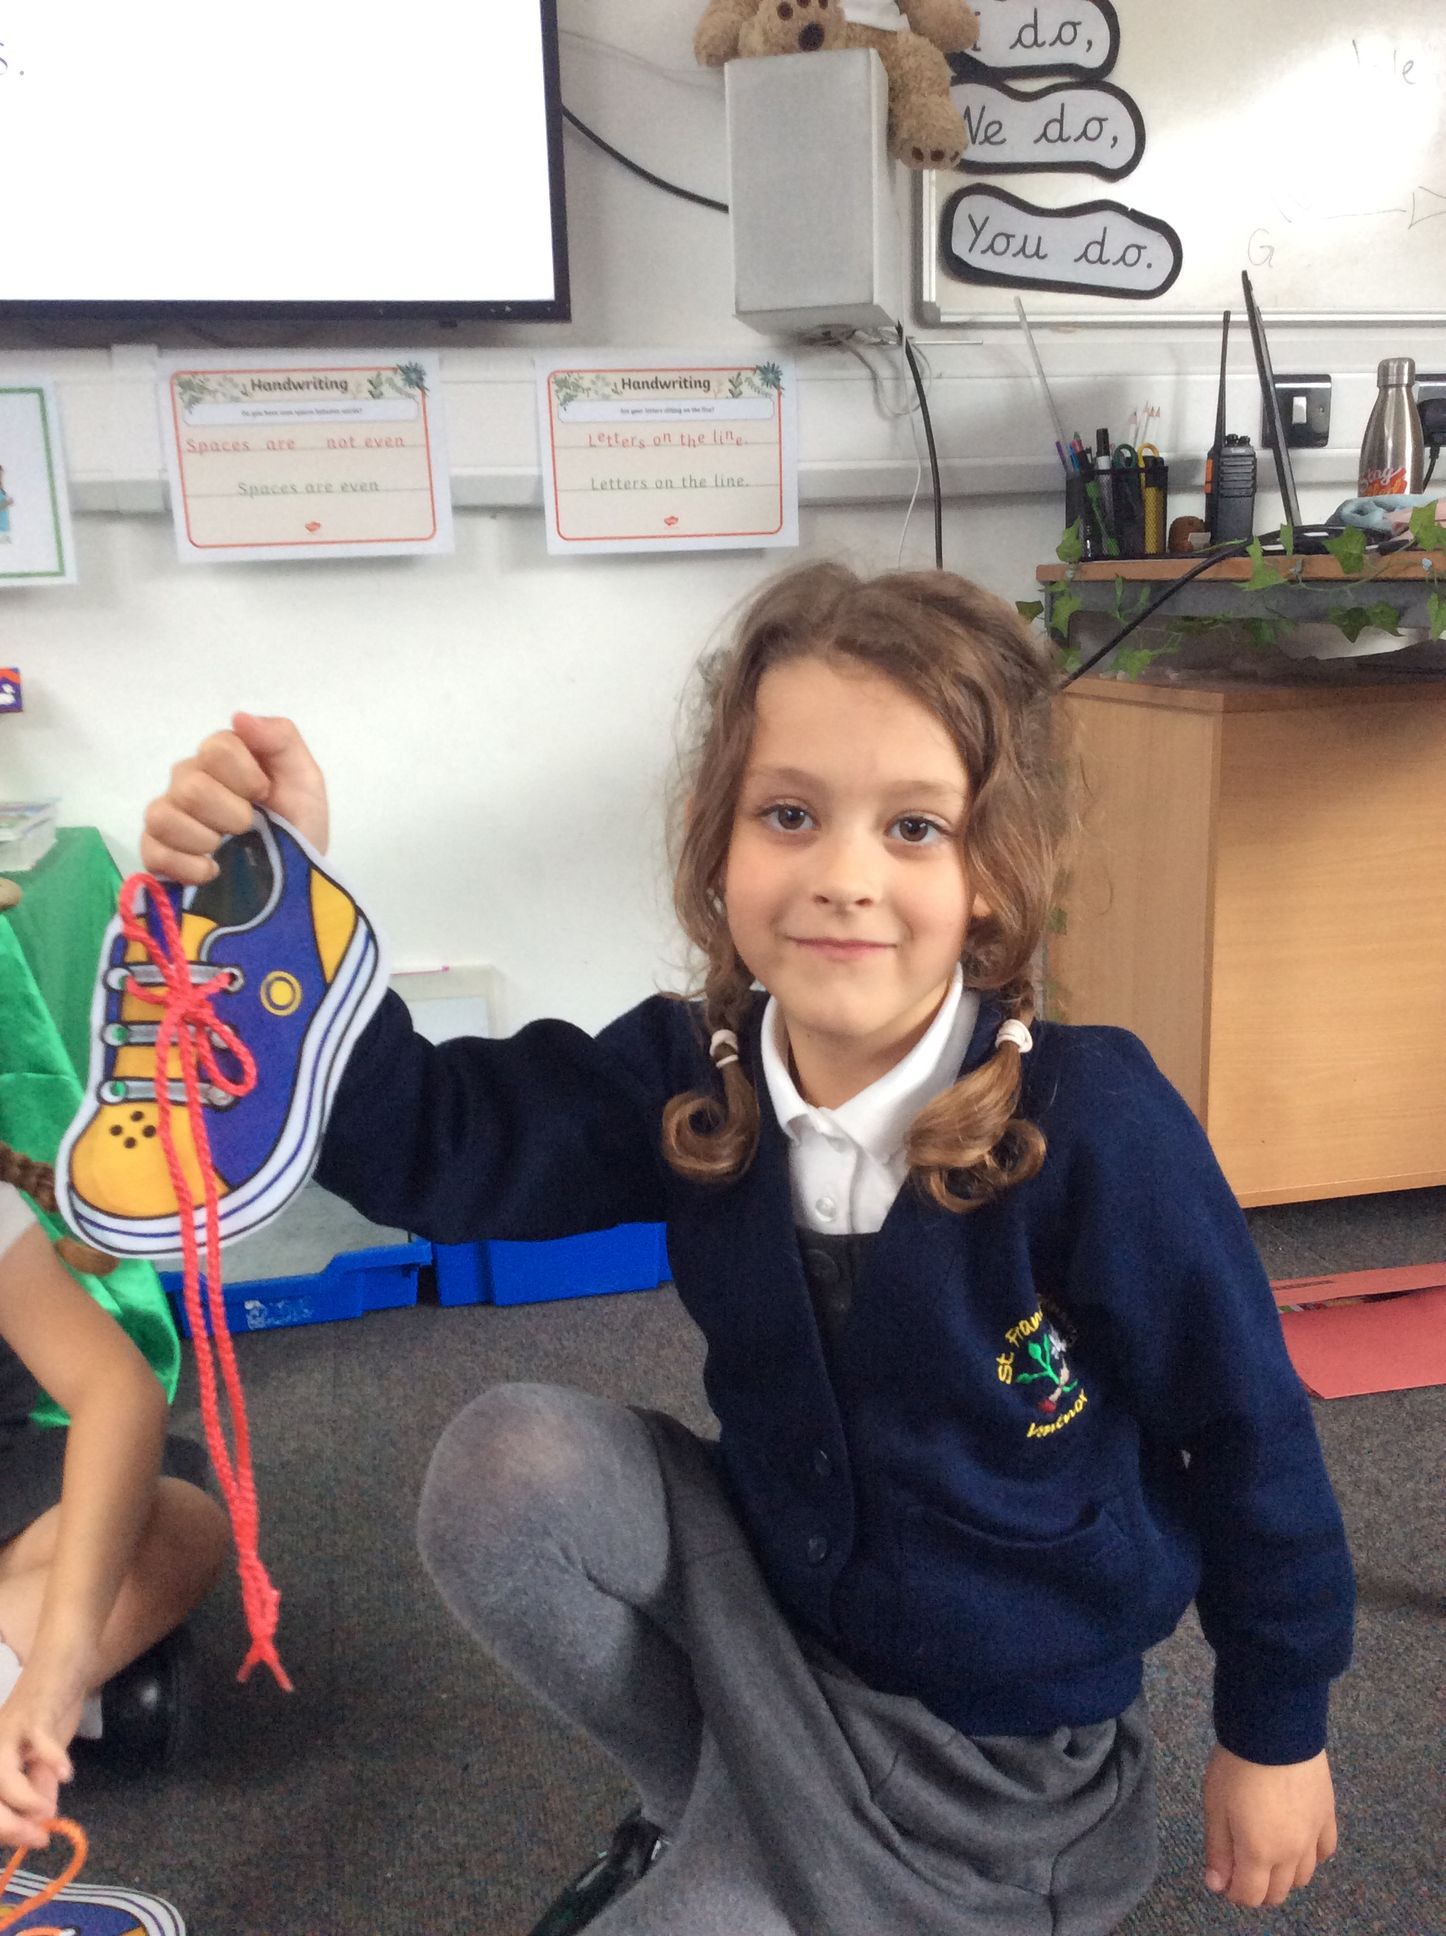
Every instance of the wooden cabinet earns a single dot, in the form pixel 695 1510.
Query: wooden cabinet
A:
pixel 1259 891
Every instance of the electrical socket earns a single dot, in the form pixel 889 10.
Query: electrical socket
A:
pixel 1305 412
pixel 1431 402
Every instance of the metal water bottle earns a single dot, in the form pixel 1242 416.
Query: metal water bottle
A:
pixel 1393 453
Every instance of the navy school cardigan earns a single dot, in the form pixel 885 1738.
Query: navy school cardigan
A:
pixel 1051 1422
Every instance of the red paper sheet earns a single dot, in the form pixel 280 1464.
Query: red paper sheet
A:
pixel 1369 1331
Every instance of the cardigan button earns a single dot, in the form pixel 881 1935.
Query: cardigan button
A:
pixel 817 1550
pixel 822 1265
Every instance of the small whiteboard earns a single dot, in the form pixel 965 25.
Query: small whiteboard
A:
pixel 1303 140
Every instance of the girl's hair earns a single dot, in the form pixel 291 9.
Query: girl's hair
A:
pixel 35 1179
pixel 38 1180
pixel 969 659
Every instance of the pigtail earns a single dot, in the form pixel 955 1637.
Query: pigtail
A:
pixel 705 1138
pixel 970 1144
pixel 37 1180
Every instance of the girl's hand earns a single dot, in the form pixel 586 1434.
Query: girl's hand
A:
pixel 259 762
pixel 35 1725
pixel 1266 1828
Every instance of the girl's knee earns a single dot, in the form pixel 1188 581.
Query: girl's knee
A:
pixel 503 1469
pixel 186 1541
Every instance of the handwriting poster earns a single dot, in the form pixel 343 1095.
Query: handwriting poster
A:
pixel 668 454
pixel 36 546
pixel 283 457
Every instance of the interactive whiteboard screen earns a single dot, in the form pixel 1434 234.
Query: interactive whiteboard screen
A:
pixel 317 157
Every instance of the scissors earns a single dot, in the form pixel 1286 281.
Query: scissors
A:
pixel 1125 458
pixel 1150 451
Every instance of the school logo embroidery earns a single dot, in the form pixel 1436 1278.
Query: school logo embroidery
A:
pixel 1038 1357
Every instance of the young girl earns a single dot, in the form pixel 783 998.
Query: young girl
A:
pixel 999 1377
pixel 100 1557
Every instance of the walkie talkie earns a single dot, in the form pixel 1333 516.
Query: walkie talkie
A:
pixel 1234 511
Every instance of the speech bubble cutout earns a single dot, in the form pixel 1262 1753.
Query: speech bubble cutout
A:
pixel 1093 248
pixel 1095 130
pixel 1027 38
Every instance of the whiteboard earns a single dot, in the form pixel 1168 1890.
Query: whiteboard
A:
pixel 1303 140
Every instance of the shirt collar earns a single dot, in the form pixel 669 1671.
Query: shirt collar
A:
pixel 877 1118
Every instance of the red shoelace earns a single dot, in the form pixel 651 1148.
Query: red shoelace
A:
pixel 12 1912
pixel 190 1025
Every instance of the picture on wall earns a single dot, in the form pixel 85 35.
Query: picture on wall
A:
pixel 36 547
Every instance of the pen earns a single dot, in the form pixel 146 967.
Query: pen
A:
pixel 1155 480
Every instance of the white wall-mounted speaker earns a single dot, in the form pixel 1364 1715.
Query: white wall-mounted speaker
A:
pixel 815 200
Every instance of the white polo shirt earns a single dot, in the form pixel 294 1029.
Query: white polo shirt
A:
pixel 15 1217
pixel 847 1165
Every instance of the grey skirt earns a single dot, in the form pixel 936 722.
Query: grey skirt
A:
pixel 32 1461
pixel 873 1814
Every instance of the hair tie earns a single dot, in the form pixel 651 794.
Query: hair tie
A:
pixel 1014 1031
pixel 727 1041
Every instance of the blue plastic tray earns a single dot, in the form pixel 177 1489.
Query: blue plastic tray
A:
pixel 630 1257
pixel 378 1279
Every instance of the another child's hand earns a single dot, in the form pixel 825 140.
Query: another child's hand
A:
pixel 34 1726
pixel 1266 1828
pixel 259 762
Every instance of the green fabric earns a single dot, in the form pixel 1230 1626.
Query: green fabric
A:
pixel 49 953
pixel 68 902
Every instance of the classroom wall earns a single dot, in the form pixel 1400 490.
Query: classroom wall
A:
pixel 497 726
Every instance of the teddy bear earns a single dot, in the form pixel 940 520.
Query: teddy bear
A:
pixel 925 129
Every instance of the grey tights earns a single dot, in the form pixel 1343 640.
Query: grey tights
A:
pixel 544 1524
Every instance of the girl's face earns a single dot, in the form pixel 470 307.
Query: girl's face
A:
pixel 845 883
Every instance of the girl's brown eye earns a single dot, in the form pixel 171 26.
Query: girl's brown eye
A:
pixel 915 830
pixel 789 820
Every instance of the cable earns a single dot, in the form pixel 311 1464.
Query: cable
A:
pixel 672 188
pixel 909 407
pixel 913 498
pixel 689 76
pixel 1435 453
pixel 1214 557
pixel 1211 558
pixel 933 453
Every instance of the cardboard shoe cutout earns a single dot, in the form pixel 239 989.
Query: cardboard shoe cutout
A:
pixel 292 971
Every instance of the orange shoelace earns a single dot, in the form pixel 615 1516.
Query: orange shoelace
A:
pixel 12 1912
pixel 190 1025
